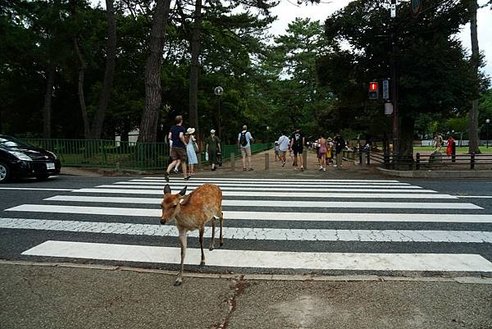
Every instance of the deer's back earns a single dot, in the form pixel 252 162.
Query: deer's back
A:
pixel 203 203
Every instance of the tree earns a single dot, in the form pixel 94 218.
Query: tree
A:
pixel 433 75
pixel 148 124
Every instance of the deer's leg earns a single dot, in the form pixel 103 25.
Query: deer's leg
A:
pixel 212 242
pixel 183 242
pixel 201 231
pixel 221 225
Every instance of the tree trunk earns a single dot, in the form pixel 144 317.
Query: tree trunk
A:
pixel 406 142
pixel 80 90
pixel 50 82
pixel 150 116
pixel 473 147
pixel 98 121
pixel 195 65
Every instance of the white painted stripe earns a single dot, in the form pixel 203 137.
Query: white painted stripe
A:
pixel 292 194
pixel 241 233
pixel 278 184
pixel 286 204
pixel 300 183
pixel 474 196
pixel 37 189
pixel 269 188
pixel 266 216
pixel 266 259
pixel 280 181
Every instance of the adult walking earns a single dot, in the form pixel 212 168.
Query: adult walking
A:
pixel 212 147
pixel 339 147
pixel 283 147
pixel 244 140
pixel 176 137
pixel 191 150
pixel 297 141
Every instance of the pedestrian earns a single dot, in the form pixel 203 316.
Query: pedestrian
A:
pixel 191 150
pixel 339 147
pixel 297 141
pixel 244 140
pixel 176 137
pixel 329 151
pixel 276 150
pixel 451 148
pixel 283 147
pixel 322 150
pixel 438 141
pixel 212 147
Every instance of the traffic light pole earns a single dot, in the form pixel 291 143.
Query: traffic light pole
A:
pixel 394 82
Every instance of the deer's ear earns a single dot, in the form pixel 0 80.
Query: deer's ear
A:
pixel 167 189
pixel 183 200
pixel 183 191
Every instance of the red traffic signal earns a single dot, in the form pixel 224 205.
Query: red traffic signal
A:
pixel 373 90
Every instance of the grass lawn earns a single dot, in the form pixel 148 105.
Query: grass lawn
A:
pixel 459 150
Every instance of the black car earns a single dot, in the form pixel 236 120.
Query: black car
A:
pixel 19 159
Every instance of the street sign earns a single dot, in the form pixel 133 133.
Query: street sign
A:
pixel 386 93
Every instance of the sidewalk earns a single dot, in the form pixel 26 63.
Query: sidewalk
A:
pixel 75 296
pixel 61 295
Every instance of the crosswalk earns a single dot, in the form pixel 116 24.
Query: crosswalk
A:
pixel 270 224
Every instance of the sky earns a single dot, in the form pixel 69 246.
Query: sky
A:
pixel 288 10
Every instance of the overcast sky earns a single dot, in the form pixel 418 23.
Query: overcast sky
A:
pixel 288 10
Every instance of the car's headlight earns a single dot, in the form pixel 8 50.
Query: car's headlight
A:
pixel 21 156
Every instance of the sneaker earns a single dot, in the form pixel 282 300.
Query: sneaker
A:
pixel 176 170
pixel 302 168
pixel 283 164
pixel 166 176
pixel 187 177
pixel 250 169
pixel 324 169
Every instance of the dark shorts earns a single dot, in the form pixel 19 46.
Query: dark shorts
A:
pixel 297 150
pixel 178 153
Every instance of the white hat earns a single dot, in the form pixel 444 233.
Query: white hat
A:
pixel 212 131
pixel 190 131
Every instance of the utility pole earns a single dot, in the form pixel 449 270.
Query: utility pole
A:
pixel 394 79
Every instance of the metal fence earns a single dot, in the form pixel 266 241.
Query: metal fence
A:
pixel 122 155
pixel 435 160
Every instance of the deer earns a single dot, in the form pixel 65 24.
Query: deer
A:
pixel 192 212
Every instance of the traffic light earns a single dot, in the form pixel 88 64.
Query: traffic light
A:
pixel 373 90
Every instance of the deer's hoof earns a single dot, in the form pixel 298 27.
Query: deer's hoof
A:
pixel 211 248
pixel 202 263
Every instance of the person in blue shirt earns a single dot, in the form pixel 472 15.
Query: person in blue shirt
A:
pixel 177 142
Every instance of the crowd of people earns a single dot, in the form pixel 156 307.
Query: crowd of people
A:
pixel 184 149
pixel 328 150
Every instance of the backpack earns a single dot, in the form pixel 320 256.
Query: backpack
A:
pixel 242 139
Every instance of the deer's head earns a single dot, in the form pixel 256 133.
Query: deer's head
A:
pixel 171 204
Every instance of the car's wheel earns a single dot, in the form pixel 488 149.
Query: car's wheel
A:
pixel 4 172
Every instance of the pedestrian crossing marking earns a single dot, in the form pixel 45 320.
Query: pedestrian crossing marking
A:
pixel 280 203
pixel 246 233
pixel 263 215
pixel 315 199
pixel 226 193
pixel 266 259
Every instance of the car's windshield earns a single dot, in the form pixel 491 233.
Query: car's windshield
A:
pixel 12 143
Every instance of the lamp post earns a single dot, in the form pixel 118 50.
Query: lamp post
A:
pixel 218 91
pixel 487 122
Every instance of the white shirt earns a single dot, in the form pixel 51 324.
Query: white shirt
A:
pixel 283 143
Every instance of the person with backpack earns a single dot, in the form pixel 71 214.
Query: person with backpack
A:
pixel 244 140
pixel 297 141
pixel 212 147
